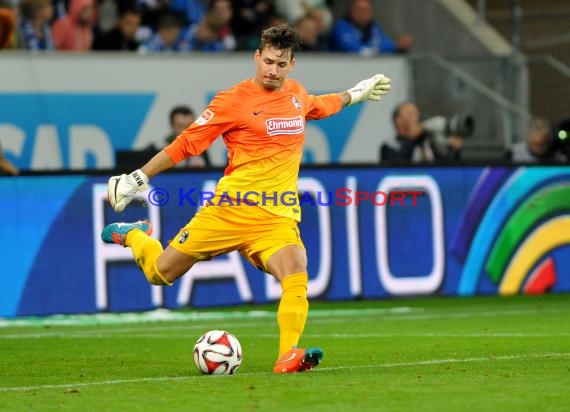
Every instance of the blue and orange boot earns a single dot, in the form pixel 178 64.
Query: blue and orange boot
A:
pixel 298 360
pixel 117 232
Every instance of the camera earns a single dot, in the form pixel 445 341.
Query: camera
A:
pixel 562 131
pixel 561 137
pixel 460 125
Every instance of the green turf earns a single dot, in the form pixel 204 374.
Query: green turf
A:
pixel 487 354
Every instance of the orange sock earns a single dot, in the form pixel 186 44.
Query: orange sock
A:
pixel 293 310
pixel 146 251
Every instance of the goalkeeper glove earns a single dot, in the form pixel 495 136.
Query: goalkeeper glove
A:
pixel 122 189
pixel 370 89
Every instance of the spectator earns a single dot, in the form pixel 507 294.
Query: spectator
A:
pixel 122 36
pixel 275 21
pixel 192 11
pixel 75 31
pixel 294 10
pixel 540 145
pixel 249 19
pixel 6 167
pixel 7 27
pixel 308 28
pixel 213 32
pixel 107 15
pixel 167 37
pixel 181 117
pixel 60 8
pixel 35 32
pixel 417 144
pixel 152 12
pixel 359 33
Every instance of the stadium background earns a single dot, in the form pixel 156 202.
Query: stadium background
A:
pixel 63 117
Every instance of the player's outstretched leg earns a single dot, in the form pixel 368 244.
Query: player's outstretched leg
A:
pixel 146 249
pixel 298 360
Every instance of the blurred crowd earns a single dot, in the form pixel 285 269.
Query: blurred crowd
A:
pixel 177 26
pixel 153 26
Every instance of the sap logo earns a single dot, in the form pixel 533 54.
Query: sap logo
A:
pixel 47 151
pixel 69 131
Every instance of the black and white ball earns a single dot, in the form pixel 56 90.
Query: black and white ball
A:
pixel 217 352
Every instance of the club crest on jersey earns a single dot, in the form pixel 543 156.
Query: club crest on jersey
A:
pixel 205 117
pixel 183 237
pixel 291 125
pixel 296 103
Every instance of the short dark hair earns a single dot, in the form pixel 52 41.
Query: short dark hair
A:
pixel 28 8
pixel 181 109
pixel 169 19
pixel 283 37
pixel 130 9
pixel 396 111
pixel 211 4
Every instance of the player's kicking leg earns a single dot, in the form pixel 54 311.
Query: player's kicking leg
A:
pixel 146 249
pixel 117 232
pixel 160 266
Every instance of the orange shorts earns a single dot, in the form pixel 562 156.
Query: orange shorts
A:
pixel 254 232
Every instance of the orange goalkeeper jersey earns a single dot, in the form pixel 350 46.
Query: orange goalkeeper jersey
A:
pixel 264 132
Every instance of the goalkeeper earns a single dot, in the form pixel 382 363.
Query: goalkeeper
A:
pixel 262 121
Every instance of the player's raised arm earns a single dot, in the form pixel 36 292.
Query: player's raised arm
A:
pixel 122 189
pixel 368 89
pixel 371 89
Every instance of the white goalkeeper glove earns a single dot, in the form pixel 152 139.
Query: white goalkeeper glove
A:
pixel 370 89
pixel 122 189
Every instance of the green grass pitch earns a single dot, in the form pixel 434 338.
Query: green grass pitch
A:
pixel 440 354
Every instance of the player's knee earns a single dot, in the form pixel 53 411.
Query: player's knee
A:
pixel 170 272
pixel 289 260
pixel 155 277
pixel 172 264
pixel 292 268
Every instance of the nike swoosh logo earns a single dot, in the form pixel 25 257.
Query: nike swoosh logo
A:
pixel 256 113
pixel 293 356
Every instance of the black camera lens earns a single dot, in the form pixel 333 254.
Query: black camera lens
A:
pixel 563 130
pixel 461 125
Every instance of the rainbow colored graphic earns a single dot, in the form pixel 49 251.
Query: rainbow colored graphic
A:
pixel 513 220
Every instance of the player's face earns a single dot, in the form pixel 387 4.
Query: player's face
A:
pixel 273 66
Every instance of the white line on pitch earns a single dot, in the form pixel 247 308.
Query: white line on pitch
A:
pixel 439 334
pixel 323 369
pixel 452 360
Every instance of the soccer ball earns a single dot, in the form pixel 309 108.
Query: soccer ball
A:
pixel 217 352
